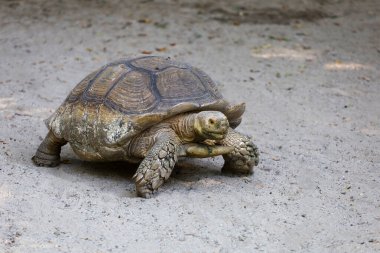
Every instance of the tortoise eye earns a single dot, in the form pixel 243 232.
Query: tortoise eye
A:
pixel 211 121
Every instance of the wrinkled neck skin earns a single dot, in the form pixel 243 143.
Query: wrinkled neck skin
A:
pixel 183 125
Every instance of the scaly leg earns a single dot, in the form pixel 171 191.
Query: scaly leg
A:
pixel 158 164
pixel 48 153
pixel 244 156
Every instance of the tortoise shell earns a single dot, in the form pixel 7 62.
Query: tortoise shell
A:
pixel 136 93
pixel 146 84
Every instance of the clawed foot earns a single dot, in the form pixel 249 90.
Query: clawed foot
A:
pixel 144 192
pixel 244 156
pixel 46 160
pixel 148 182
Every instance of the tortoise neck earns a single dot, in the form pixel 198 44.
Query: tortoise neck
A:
pixel 184 127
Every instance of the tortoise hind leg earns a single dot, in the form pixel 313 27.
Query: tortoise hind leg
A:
pixel 48 153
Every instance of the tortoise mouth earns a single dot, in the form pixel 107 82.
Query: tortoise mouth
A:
pixel 214 135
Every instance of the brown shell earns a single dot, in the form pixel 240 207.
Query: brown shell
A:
pixel 137 92
pixel 144 85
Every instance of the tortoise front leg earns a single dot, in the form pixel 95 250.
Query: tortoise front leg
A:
pixel 157 166
pixel 48 153
pixel 244 156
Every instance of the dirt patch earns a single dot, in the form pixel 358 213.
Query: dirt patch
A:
pixel 267 16
pixel 270 15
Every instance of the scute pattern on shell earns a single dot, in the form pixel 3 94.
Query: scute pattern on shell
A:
pixel 145 85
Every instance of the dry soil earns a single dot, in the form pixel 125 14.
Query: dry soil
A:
pixel 309 73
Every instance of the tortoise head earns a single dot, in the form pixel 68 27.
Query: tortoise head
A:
pixel 211 125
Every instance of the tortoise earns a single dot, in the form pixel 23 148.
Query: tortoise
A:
pixel 150 110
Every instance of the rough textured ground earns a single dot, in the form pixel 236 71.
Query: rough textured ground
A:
pixel 309 72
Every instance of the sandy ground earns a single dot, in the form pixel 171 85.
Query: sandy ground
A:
pixel 309 73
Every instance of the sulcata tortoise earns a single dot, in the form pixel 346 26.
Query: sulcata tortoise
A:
pixel 150 110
